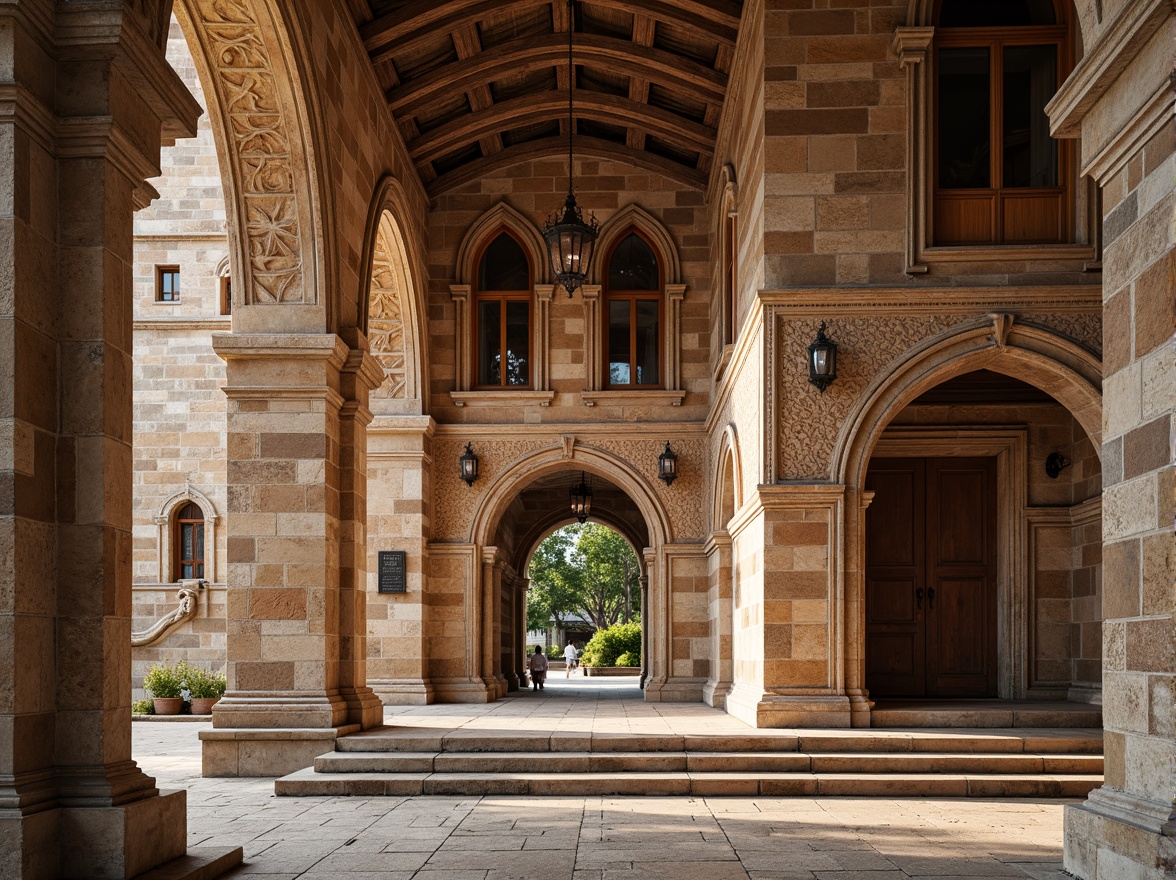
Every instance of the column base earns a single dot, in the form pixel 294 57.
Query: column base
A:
pixel 860 706
pixel 714 693
pixel 96 843
pixel 266 751
pixel 463 691
pixel 1114 835
pixel 403 691
pixel 675 690
pixel 761 709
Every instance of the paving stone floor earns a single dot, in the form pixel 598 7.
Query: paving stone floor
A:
pixel 595 838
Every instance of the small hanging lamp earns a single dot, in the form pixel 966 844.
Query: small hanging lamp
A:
pixel 667 465
pixel 581 495
pixel 570 241
pixel 822 356
pixel 468 465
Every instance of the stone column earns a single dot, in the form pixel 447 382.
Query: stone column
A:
pixel 80 132
pixel 296 622
pixel 1120 101
pixel 647 557
pixel 719 600
pixel 492 622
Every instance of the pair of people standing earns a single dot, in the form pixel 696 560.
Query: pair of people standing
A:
pixel 537 664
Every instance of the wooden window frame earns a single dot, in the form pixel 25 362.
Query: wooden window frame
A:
pixel 633 296
pixel 994 40
pixel 226 295
pixel 160 296
pixel 198 566
pixel 502 297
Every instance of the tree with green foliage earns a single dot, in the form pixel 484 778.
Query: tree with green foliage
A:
pixel 556 581
pixel 586 569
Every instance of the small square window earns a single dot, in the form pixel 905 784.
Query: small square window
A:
pixel 167 283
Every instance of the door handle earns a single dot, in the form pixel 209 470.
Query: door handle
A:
pixel 931 598
pixel 919 598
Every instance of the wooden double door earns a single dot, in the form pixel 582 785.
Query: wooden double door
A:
pixel 931 577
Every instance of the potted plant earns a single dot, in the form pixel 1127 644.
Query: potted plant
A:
pixel 165 682
pixel 205 687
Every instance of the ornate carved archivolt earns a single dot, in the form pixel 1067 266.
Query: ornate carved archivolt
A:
pixel 386 320
pixel 263 147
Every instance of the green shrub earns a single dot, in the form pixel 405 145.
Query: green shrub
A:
pixel 204 684
pixel 629 659
pixel 165 680
pixel 142 707
pixel 607 645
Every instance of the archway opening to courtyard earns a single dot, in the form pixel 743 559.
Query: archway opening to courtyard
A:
pixel 584 601
pixel 538 536
pixel 982 548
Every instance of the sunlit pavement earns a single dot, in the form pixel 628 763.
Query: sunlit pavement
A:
pixel 597 838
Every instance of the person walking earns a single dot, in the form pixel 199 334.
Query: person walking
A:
pixel 571 659
pixel 538 666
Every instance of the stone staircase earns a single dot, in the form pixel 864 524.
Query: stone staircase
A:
pixel 1044 762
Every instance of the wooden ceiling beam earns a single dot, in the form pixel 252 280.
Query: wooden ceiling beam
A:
pixel 535 53
pixel 468 44
pixel 556 146
pixel 547 106
pixel 644 31
pixel 422 20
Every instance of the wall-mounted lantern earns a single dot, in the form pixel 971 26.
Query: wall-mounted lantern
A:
pixel 1055 463
pixel 468 465
pixel 667 465
pixel 581 495
pixel 822 357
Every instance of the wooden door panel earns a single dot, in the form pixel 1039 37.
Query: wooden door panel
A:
pixel 895 642
pixel 958 501
pixel 961 569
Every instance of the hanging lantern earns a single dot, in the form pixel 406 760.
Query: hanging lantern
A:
pixel 822 357
pixel 581 495
pixel 667 465
pixel 468 465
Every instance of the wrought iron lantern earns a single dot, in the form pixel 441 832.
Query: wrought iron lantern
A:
pixel 822 358
pixel 468 465
pixel 667 465
pixel 1055 463
pixel 581 495
pixel 571 241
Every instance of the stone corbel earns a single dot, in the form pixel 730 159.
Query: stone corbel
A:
pixel 1002 324
pixel 189 596
pixel 911 45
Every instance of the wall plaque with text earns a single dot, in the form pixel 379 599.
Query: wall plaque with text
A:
pixel 390 568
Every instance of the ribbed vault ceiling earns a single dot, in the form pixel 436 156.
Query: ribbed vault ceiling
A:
pixel 476 85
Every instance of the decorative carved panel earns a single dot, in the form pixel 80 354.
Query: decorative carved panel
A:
pixel 258 138
pixel 386 322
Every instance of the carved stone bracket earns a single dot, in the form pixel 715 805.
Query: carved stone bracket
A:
pixel 189 596
pixel 1001 325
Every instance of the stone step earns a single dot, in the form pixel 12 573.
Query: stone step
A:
pixel 310 783
pixel 200 863
pixel 989 717
pixel 984 740
pixel 704 762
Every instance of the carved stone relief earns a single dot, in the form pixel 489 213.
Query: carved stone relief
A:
pixel 386 322
pixel 259 140
pixel 809 422
pixel 455 504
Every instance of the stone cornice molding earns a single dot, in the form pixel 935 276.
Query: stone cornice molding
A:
pixel 597 432
pixel 506 397
pixel 1108 159
pixel 1080 298
pixel 636 397
pixel 20 107
pixel 266 346
pixel 1118 45
pixel 207 322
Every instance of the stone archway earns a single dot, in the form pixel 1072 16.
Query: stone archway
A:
pixel 1032 355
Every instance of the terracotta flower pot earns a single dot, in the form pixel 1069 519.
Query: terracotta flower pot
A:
pixel 168 705
pixel 203 705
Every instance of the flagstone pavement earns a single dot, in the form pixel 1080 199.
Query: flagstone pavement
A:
pixel 596 838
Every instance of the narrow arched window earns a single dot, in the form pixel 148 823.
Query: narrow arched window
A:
pixel 633 310
pixel 730 278
pixel 999 176
pixel 189 546
pixel 502 327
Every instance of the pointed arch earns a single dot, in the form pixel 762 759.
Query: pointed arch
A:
pixel 727 497
pixel 392 298
pixel 633 216
pixel 489 224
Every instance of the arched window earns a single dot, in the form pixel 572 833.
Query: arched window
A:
pixel 189 542
pixel 633 315
pixel 502 325
pixel 730 277
pixel 999 178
